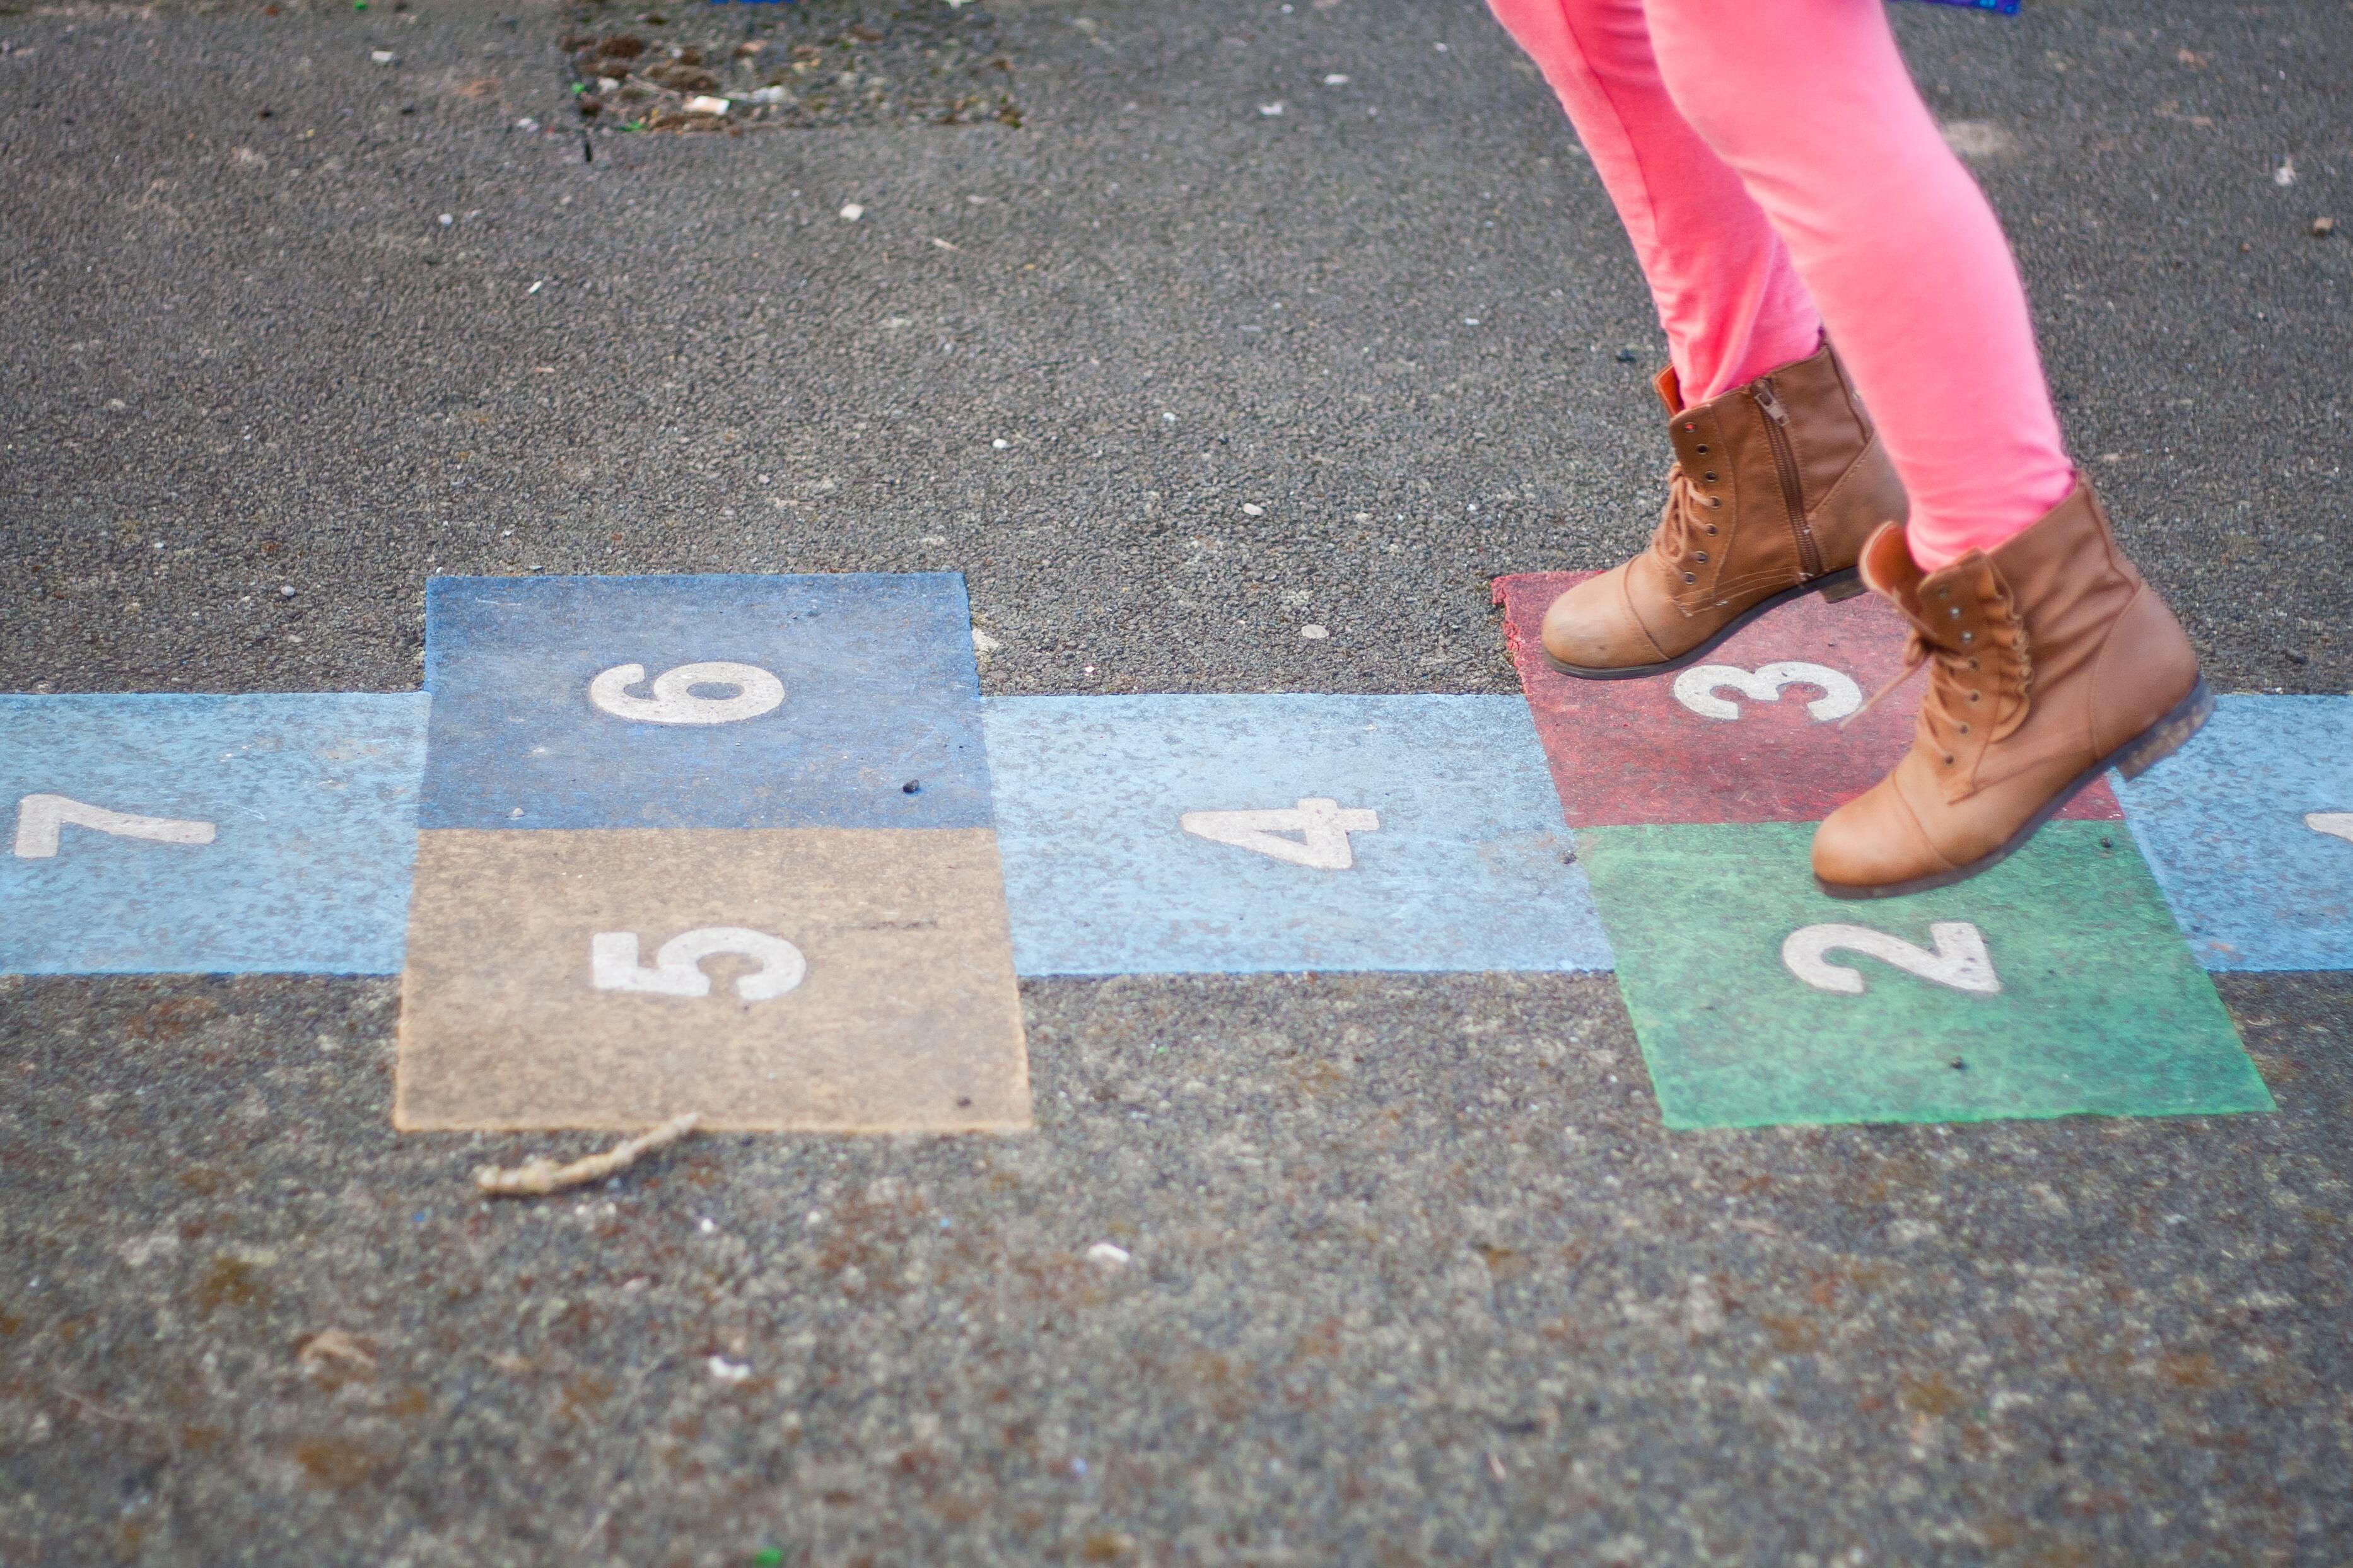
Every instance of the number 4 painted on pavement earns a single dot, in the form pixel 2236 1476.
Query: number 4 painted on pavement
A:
pixel 40 818
pixel 1323 826
pixel 1960 960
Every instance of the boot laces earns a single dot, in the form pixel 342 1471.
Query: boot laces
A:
pixel 1683 529
pixel 1953 664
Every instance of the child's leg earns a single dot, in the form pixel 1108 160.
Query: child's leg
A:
pixel 1727 292
pixel 1810 101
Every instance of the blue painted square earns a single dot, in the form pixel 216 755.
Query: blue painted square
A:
pixel 309 804
pixel 2222 824
pixel 1469 868
pixel 858 704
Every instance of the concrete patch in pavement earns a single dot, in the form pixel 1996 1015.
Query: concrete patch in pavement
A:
pixel 207 834
pixel 810 980
pixel 1175 833
pixel 2249 829
pixel 2053 984
pixel 847 700
pixel 1763 728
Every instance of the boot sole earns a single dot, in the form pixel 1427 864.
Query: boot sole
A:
pixel 1831 585
pixel 2132 759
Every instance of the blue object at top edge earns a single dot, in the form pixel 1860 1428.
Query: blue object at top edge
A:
pixel 2000 7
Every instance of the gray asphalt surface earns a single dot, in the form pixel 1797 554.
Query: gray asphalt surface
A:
pixel 1417 1276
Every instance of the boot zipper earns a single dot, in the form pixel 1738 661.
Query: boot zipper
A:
pixel 1784 467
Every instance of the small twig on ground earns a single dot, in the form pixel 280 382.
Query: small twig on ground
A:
pixel 332 1345
pixel 95 1408
pixel 539 1175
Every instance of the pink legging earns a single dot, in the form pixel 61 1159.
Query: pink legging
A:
pixel 1777 173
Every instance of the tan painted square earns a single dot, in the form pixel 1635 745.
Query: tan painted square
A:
pixel 905 1018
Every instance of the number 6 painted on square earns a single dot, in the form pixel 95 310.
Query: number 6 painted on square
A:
pixel 673 701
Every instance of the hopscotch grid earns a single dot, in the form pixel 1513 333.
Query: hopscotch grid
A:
pixel 1283 837
pixel 2136 819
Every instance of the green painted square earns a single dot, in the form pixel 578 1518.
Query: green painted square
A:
pixel 2101 1009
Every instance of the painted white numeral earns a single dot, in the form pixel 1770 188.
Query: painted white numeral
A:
pixel 2336 824
pixel 39 817
pixel 674 702
pixel 1695 687
pixel 1323 826
pixel 677 967
pixel 1960 960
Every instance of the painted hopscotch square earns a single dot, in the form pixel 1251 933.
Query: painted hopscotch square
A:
pixel 208 835
pixel 2099 1008
pixel 702 701
pixel 1282 866
pixel 1695 746
pixel 809 979
pixel 2249 831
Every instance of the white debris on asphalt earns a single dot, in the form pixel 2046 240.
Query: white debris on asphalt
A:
pixel 704 103
pixel 727 1371
pixel 1314 633
pixel 1271 109
pixel 852 212
pixel 1108 1256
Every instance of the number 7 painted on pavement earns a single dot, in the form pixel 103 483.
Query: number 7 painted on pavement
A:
pixel 40 820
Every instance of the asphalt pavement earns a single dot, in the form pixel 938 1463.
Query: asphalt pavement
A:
pixel 1415 1275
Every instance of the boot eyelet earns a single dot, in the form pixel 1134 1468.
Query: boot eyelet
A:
pixel 1690 577
pixel 1702 558
pixel 1954 614
pixel 1968 636
pixel 1700 450
pixel 1710 478
pixel 1715 500
pixel 1975 695
pixel 1688 429
pixel 1965 729
pixel 1711 527
pixel 1948 759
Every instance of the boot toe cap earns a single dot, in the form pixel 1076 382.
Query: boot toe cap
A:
pixel 1593 626
pixel 1874 841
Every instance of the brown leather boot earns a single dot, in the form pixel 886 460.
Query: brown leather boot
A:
pixel 1775 487
pixel 2050 661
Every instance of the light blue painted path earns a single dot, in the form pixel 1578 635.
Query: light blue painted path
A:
pixel 2222 824
pixel 1468 869
pixel 312 806
pixel 861 684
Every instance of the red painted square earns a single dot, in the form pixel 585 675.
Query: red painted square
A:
pixel 1625 752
